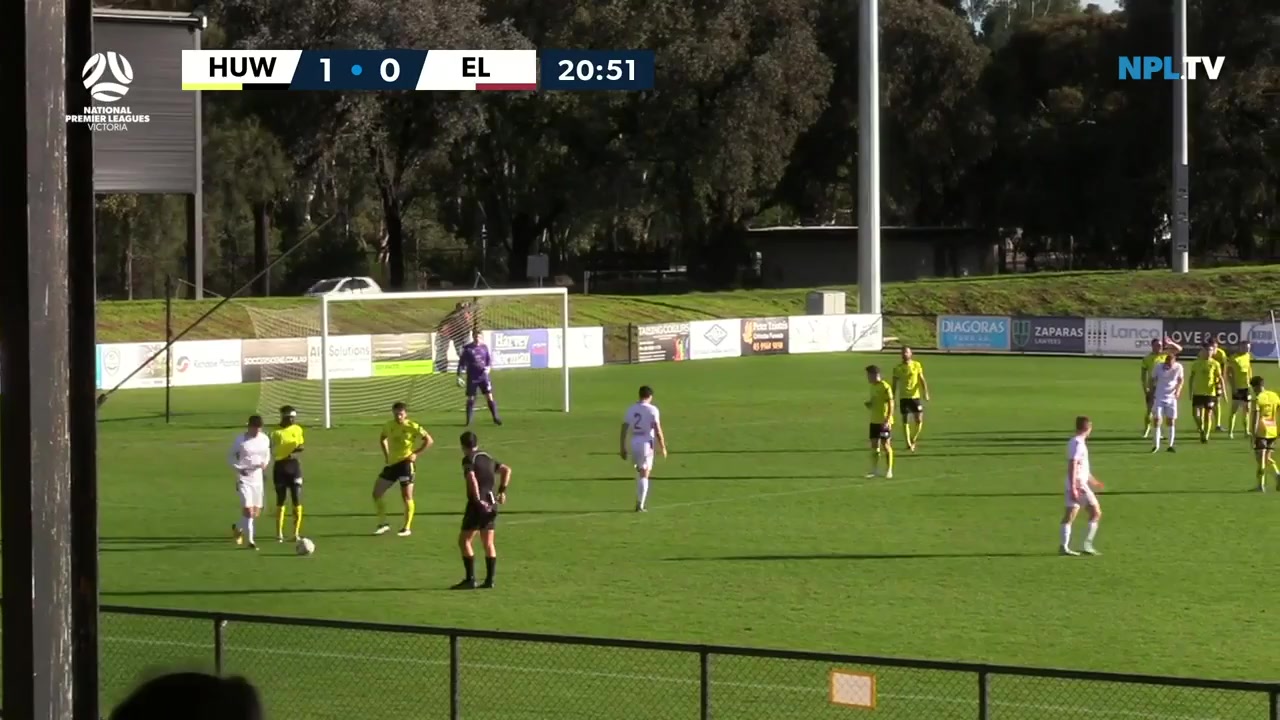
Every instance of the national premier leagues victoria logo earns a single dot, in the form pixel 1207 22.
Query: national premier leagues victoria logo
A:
pixel 107 76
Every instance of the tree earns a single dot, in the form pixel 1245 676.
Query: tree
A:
pixel 933 119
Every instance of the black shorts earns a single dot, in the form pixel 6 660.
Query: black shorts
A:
pixel 475 518
pixel 1240 395
pixel 286 472
pixel 1264 443
pixel 286 476
pixel 1204 401
pixel 401 472
pixel 910 406
pixel 879 431
pixel 481 387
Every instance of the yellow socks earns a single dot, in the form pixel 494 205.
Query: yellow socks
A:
pixel 888 456
pixel 919 429
pixel 280 521
pixel 297 521
pixel 875 459
pixel 409 508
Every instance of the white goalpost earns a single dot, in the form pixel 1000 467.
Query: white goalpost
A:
pixel 350 357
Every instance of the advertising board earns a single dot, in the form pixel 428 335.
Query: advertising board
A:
pixel 350 356
pixel 585 347
pixel 266 359
pixel 663 342
pixel 1047 334
pixel 973 333
pixel 401 354
pixel 709 339
pixel 765 336
pixel 519 349
pixel 1121 336
pixel 207 362
pixel 834 333
pixel 1195 334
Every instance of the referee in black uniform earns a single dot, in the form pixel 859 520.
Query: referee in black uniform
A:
pixel 481 472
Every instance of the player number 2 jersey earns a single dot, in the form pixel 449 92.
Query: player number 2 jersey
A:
pixel 1166 379
pixel 1078 452
pixel 643 418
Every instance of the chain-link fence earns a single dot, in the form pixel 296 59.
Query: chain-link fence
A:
pixel 315 670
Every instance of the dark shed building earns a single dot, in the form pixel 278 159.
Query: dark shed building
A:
pixel 828 255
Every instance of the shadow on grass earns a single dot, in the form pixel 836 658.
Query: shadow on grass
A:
pixel 690 478
pixel 859 556
pixel 1103 493
pixel 190 547
pixel 218 592
pixel 392 513
pixel 1037 440
pixel 751 451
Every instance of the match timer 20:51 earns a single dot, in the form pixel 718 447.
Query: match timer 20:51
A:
pixel 595 69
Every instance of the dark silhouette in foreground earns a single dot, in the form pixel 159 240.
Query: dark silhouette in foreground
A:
pixel 192 696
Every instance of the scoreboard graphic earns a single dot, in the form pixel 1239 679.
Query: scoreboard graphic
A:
pixel 373 70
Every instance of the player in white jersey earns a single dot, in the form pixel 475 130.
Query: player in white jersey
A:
pixel 1080 486
pixel 641 428
pixel 249 456
pixel 1166 390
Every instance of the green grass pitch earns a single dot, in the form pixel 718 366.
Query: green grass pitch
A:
pixel 762 532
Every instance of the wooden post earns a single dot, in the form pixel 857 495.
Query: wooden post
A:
pixel 82 421
pixel 35 406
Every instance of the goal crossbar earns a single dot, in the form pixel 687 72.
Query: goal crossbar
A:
pixel 327 300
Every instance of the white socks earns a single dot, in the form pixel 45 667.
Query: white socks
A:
pixel 1066 535
pixel 246 525
pixel 642 489
pixel 1093 530
pixel 1159 428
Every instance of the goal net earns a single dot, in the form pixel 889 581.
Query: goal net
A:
pixel 341 358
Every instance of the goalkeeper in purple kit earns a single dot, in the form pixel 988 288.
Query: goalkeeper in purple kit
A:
pixel 475 362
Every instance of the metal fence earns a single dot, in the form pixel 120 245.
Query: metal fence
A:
pixel 316 669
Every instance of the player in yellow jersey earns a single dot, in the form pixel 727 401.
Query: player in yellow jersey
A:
pixel 402 441
pixel 912 391
pixel 1266 408
pixel 1206 386
pixel 1160 349
pixel 880 407
pixel 286 473
pixel 1239 377
pixel 1217 352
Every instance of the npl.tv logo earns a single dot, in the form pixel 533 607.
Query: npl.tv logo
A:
pixel 1146 67
pixel 108 118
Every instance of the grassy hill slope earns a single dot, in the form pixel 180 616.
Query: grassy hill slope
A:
pixel 1234 293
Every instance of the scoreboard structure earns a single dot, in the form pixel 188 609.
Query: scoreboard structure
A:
pixel 373 70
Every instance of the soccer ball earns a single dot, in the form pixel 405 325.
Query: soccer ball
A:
pixel 305 546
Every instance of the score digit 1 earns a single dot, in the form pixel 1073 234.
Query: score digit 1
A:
pixel 325 63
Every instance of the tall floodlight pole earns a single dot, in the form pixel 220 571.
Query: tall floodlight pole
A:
pixel 869 158
pixel 1179 203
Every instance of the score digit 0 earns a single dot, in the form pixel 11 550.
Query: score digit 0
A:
pixel 390 70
